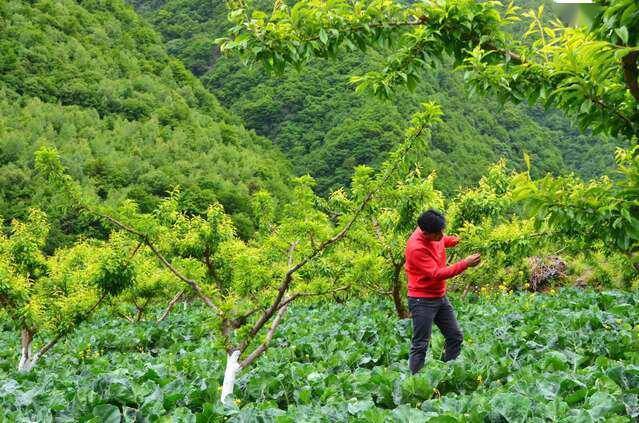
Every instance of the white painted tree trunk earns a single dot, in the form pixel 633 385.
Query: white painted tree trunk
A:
pixel 26 360
pixel 230 374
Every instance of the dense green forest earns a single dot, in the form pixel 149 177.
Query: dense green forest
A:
pixel 130 121
pixel 326 129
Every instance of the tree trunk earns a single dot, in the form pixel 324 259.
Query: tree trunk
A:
pixel 232 369
pixel 631 73
pixel 402 313
pixel 26 360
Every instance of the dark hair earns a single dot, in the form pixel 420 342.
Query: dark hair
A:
pixel 431 221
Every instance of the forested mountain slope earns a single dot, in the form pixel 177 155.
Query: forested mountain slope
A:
pixel 94 80
pixel 325 128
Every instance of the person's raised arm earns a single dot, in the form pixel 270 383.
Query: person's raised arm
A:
pixel 427 263
pixel 451 241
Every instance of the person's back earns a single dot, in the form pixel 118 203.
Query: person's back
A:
pixel 427 272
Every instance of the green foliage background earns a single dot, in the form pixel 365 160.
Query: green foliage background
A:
pixel 130 122
pixel 94 80
pixel 326 129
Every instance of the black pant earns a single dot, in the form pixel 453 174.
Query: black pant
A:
pixel 425 311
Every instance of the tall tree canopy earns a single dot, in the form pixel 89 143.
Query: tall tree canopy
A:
pixel 590 73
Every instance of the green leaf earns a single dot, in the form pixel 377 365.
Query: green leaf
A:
pixel 513 407
pixel 602 404
pixel 622 32
pixel 107 413
pixel 323 36
pixel 358 407
pixel 443 419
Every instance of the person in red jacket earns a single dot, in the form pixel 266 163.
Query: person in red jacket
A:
pixel 427 272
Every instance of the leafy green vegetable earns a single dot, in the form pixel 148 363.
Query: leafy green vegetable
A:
pixel 325 363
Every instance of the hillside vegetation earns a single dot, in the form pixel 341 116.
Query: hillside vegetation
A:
pixel 94 80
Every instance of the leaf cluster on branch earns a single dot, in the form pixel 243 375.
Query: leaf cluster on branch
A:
pixel 591 74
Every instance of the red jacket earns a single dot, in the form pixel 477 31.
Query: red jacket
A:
pixel 426 268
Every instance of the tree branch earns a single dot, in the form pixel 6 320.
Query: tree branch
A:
pixel 145 239
pixel 276 322
pixel 239 321
pixel 291 250
pixel 512 57
pixel 135 250
pixel 60 335
pixel 269 337
pixel 135 303
pixel 141 310
pixel 268 313
pixel 311 294
pixel 125 316
pixel 172 304
pixel 631 73
pixel 288 277
pixel 379 291
pixel 611 109
pixel 603 106
pixel 47 347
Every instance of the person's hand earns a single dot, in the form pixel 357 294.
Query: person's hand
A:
pixel 473 260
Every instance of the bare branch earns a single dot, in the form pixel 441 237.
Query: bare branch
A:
pixel 135 303
pixel 400 308
pixel 47 347
pixel 96 305
pixel 141 310
pixel 291 250
pixel 125 316
pixel 269 312
pixel 512 57
pixel 466 289
pixel 172 304
pixel 380 292
pixel 611 109
pixel 276 322
pixel 378 230
pixel 135 250
pixel 239 321
pixel 229 324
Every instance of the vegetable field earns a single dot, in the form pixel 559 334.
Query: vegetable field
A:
pixel 561 356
